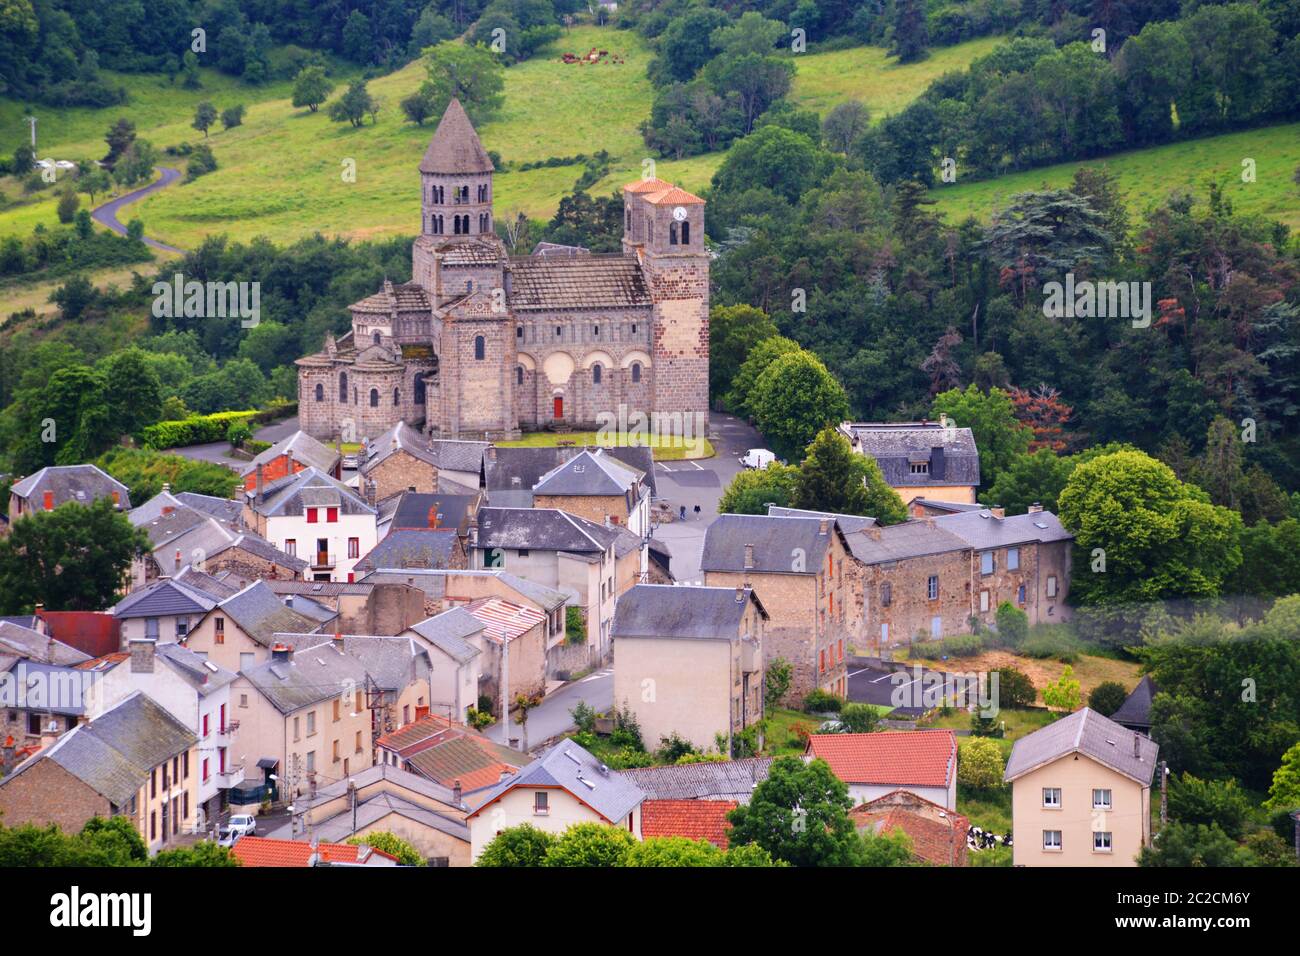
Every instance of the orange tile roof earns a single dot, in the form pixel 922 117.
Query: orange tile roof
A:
pixel 650 185
pixel 263 851
pixel 107 662
pixel 938 835
pixel 674 196
pixel 919 758
pixel 693 819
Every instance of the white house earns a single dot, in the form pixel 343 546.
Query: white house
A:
pixel 454 641
pixel 923 762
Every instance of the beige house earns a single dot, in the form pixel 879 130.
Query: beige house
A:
pixel 933 460
pixel 1081 793
pixel 304 717
pixel 238 632
pixel 689 662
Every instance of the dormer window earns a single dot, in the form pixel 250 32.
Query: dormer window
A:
pixel 920 467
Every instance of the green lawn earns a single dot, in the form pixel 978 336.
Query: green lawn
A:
pixel 1147 176
pixel 665 449
pixel 1017 722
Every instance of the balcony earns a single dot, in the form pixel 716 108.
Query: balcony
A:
pixel 230 777
pixel 323 559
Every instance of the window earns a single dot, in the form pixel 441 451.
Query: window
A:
pixel 221 727
pixel 296 734
pixel 595 331
pixel 821 660
pixel 986 562
pixel 686 233
pixel 359 706
pixel 1052 798
pixel 221 759
pixel 519 375
pixel 595 375
pixel 151 628
pixel 1052 840
pixel 920 468
pixel 311 761
pixel 182 628
pixel 343 387
pixel 331 514
pixel 932 587
pixel 335 751
pixel 672 234
pixel 1013 559
pixel 153 825
pixel 291 547
pixel 311 515
pixel 320 392
pixel 205 729
pixel 541 803
pixel 397 396
pixel 246 660
pixel 936 626
pixel 374 398
pixel 1020 595
pixel 480 347
pixel 185 765
pixel 984 600
pixel 636 371
pixel 243 700
pixel 358 741
pixel 354 547
pixel 886 594
pixel 419 391
pixel 219 627
pixel 1101 799
pixel 337 714
pixel 1101 841
pixel 884 634
pixel 205 770
pixel 311 723
pixel 1051 585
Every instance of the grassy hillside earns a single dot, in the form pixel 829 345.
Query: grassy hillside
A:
pixel 280 172
pixel 1147 176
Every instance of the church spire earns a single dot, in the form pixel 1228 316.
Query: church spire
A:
pixel 455 147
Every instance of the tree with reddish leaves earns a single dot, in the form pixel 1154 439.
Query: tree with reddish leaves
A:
pixel 1042 410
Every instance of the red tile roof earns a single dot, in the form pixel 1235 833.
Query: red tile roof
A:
pixel 918 758
pixel 938 835
pixel 693 819
pixel 451 753
pixel 263 851
pixel 502 620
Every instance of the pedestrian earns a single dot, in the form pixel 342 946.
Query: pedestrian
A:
pixel 683 512
pixel 697 512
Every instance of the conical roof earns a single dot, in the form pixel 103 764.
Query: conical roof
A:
pixel 455 147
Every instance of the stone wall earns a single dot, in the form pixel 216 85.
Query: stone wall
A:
pixel 401 471
pixel 45 793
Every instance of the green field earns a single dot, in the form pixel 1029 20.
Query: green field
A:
pixel 1148 176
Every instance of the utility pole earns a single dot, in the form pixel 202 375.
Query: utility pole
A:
pixel 32 120
pixel 1164 792
pixel 505 688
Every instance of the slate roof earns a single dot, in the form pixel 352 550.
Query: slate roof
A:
pixel 570 767
pixel 401 437
pixel 310 488
pixel 223 509
pixel 24 642
pixel 589 473
pixel 541 529
pixel 692 819
pixel 1087 732
pixel 848 523
pixel 916 758
pixel 982 531
pixel 164 598
pixel 259 612
pixel 311 675
pixel 114 753
pixel 578 282
pixel 67 684
pixel 80 483
pixel 519 469
pixel 206 583
pixel 776 542
pixel 450 632
pixel 1135 712
pixel 721 780
pixel 300 447
pixel 455 147
pixel 203 675
pixel 309 608
pixel 909 539
pixel 393 663
pixel 459 455
pixel 896 445
pixel 451 512
pixel 411 548
pixel 665 611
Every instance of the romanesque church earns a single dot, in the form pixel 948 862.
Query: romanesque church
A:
pixel 483 345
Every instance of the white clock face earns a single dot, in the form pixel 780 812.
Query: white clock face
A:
pixel 680 213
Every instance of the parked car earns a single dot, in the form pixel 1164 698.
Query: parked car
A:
pixel 758 458
pixel 241 824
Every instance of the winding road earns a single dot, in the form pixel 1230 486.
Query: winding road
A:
pixel 106 215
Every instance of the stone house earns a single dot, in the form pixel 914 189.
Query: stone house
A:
pixel 291 455
pixel 52 486
pixel 938 834
pixel 239 632
pixel 796 567
pixel 400 460
pixel 513 649
pixel 932 460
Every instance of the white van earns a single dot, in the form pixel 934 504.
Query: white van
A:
pixel 758 458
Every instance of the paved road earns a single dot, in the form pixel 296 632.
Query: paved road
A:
pixel 551 718
pixel 219 451
pixel 106 214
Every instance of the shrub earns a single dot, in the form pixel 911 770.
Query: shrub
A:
pixel 963 645
pixel 575 625
pixel 391 844
pixel 1051 643
pixel 1015 689
pixel 584 717
pixel 478 719
pixel 673 748
pixel 627 730
pixel 858 719
pixel 1193 800
pixel 1013 625
pixel 821 702
pixel 1063 693
pixel 1107 697
pixel 522 845
pixel 238 433
pixel 776 684
pixel 198 430
pixel 980 764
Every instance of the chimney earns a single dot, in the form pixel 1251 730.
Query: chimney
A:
pixel 167 487
pixel 421 711
pixel 455 792
pixel 167 509
pixel 492 453
pixel 1036 508
pixel 261 485
pixel 749 557
pixel 1137 751
pixel 824 526
pixel 371 492
pixel 142 651
pixel 338 641
pixel 740 594
pixel 177 559
pixel 998 512
pixel 281 653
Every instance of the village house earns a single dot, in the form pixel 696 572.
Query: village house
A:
pixel 38 704
pixel 454 641
pixel 362 607
pixel 691 819
pixel 933 460
pixel 510 477
pixel 796 567
pixel 521 668
pixel 134 760
pixel 304 717
pixel 399 460
pixel 238 633
pixel 599 487
pixel 433 548
pixel 727 781
pixel 1081 793
pixel 263 851
pixel 163 611
pixel 922 762
pixel 195 692
pixel 19 641
pixel 291 455
pixel 58 484
pixel 385 799
pixel 450 754
pixel 443 512
pixel 313 514
pixel 689 663
pixel 564 786
pixel 938 834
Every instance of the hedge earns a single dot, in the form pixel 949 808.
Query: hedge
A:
pixel 196 430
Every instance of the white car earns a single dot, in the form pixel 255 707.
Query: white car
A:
pixel 758 458
pixel 241 824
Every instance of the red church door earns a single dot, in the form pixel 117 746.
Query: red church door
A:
pixel 559 407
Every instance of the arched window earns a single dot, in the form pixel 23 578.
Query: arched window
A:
pixel 320 392
pixel 519 375
pixel 686 233
pixel 672 233
pixel 469 285
pixel 627 219
pixel 479 347
pixel 343 387
pixel 374 398
pixel 595 375
pixel 636 371
pixel 419 391
pixel 397 396
pixel 378 338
